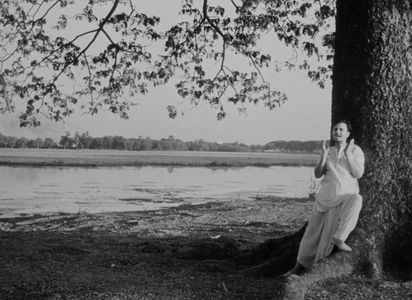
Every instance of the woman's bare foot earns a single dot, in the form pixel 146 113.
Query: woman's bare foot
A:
pixel 341 245
pixel 296 270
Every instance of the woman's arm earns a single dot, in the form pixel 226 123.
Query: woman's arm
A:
pixel 356 166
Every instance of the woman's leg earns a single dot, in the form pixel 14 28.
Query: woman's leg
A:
pixel 348 216
pixel 310 241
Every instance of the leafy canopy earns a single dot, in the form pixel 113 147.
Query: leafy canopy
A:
pixel 113 56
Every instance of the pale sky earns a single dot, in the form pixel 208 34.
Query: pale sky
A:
pixel 305 116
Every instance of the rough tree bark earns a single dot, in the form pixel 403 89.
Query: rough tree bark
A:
pixel 372 86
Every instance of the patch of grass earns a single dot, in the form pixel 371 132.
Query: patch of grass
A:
pixel 94 158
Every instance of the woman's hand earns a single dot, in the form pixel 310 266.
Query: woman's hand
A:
pixel 349 147
pixel 325 151
pixel 355 169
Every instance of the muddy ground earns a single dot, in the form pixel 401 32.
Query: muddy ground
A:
pixel 176 253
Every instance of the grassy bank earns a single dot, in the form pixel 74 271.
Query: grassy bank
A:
pixel 90 158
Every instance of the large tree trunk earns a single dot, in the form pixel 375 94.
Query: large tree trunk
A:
pixel 372 87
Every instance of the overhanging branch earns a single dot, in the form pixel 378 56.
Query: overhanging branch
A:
pixel 97 32
pixel 47 11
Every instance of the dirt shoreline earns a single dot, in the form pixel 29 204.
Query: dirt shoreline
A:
pixel 233 218
pixel 161 254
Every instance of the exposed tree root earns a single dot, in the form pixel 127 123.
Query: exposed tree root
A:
pixel 277 256
pixel 272 258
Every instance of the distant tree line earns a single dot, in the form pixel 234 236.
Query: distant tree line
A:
pixel 86 141
pixel 22 142
pixel 293 146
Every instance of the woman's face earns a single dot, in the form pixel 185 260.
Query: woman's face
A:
pixel 340 132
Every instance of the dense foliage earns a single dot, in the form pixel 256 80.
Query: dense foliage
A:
pixel 46 70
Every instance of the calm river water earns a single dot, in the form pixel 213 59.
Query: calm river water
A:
pixel 27 190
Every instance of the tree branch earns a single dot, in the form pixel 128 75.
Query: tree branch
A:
pixel 234 4
pixel 258 70
pixel 114 67
pixel 109 15
pixel 90 79
pixel 33 22
pixel 47 11
pixel 31 7
pixel 78 36
pixel 55 50
pixel 132 9
pixel 231 84
pixel 216 29
pixel 98 30
pixel 37 10
pixel 206 16
pixel 108 36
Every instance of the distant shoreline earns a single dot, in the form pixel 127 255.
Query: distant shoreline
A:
pixel 119 158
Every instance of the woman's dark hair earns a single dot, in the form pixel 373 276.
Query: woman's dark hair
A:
pixel 348 125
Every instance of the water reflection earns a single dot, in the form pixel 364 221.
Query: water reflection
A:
pixel 26 190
